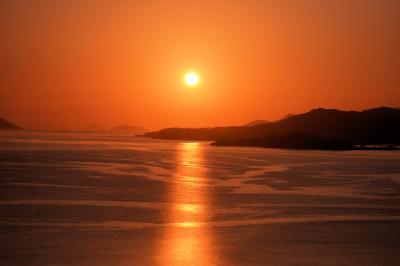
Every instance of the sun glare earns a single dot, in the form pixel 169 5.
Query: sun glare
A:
pixel 192 79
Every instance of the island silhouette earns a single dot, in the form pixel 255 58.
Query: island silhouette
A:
pixel 317 129
pixel 6 125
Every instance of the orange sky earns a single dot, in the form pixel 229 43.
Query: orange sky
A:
pixel 67 64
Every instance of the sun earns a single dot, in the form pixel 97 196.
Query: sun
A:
pixel 192 79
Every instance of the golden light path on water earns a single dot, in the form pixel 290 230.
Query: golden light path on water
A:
pixel 187 240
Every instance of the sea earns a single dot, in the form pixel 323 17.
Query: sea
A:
pixel 109 199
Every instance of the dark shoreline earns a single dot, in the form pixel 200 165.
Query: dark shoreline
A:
pixel 302 141
pixel 355 148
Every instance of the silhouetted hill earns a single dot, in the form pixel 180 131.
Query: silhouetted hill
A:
pixel 5 125
pixel 255 123
pixel 374 126
pixel 294 140
pixel 286 117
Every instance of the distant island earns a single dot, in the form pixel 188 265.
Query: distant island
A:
pixel 5 125
pixel 126 129
pixel 122 129
pixel 317 129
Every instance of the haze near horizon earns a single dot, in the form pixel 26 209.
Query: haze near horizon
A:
pixel 66 64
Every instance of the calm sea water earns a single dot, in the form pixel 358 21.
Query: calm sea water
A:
pixel 96 199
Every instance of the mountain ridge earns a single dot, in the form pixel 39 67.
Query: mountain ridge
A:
pixel 255 123
pixel 372 126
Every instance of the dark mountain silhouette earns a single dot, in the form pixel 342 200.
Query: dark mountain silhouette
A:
pixel 260 122
pixel 374 126
pixel 5 125
pixel 286 117
pixel 294 140
pixel 255 123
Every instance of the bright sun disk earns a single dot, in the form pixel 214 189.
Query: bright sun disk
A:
pixel 192 79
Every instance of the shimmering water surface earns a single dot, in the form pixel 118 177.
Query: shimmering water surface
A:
pixel 86 199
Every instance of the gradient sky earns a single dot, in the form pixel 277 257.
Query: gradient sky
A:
pixel 67 64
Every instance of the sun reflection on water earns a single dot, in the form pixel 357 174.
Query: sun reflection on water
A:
pixel 187 240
